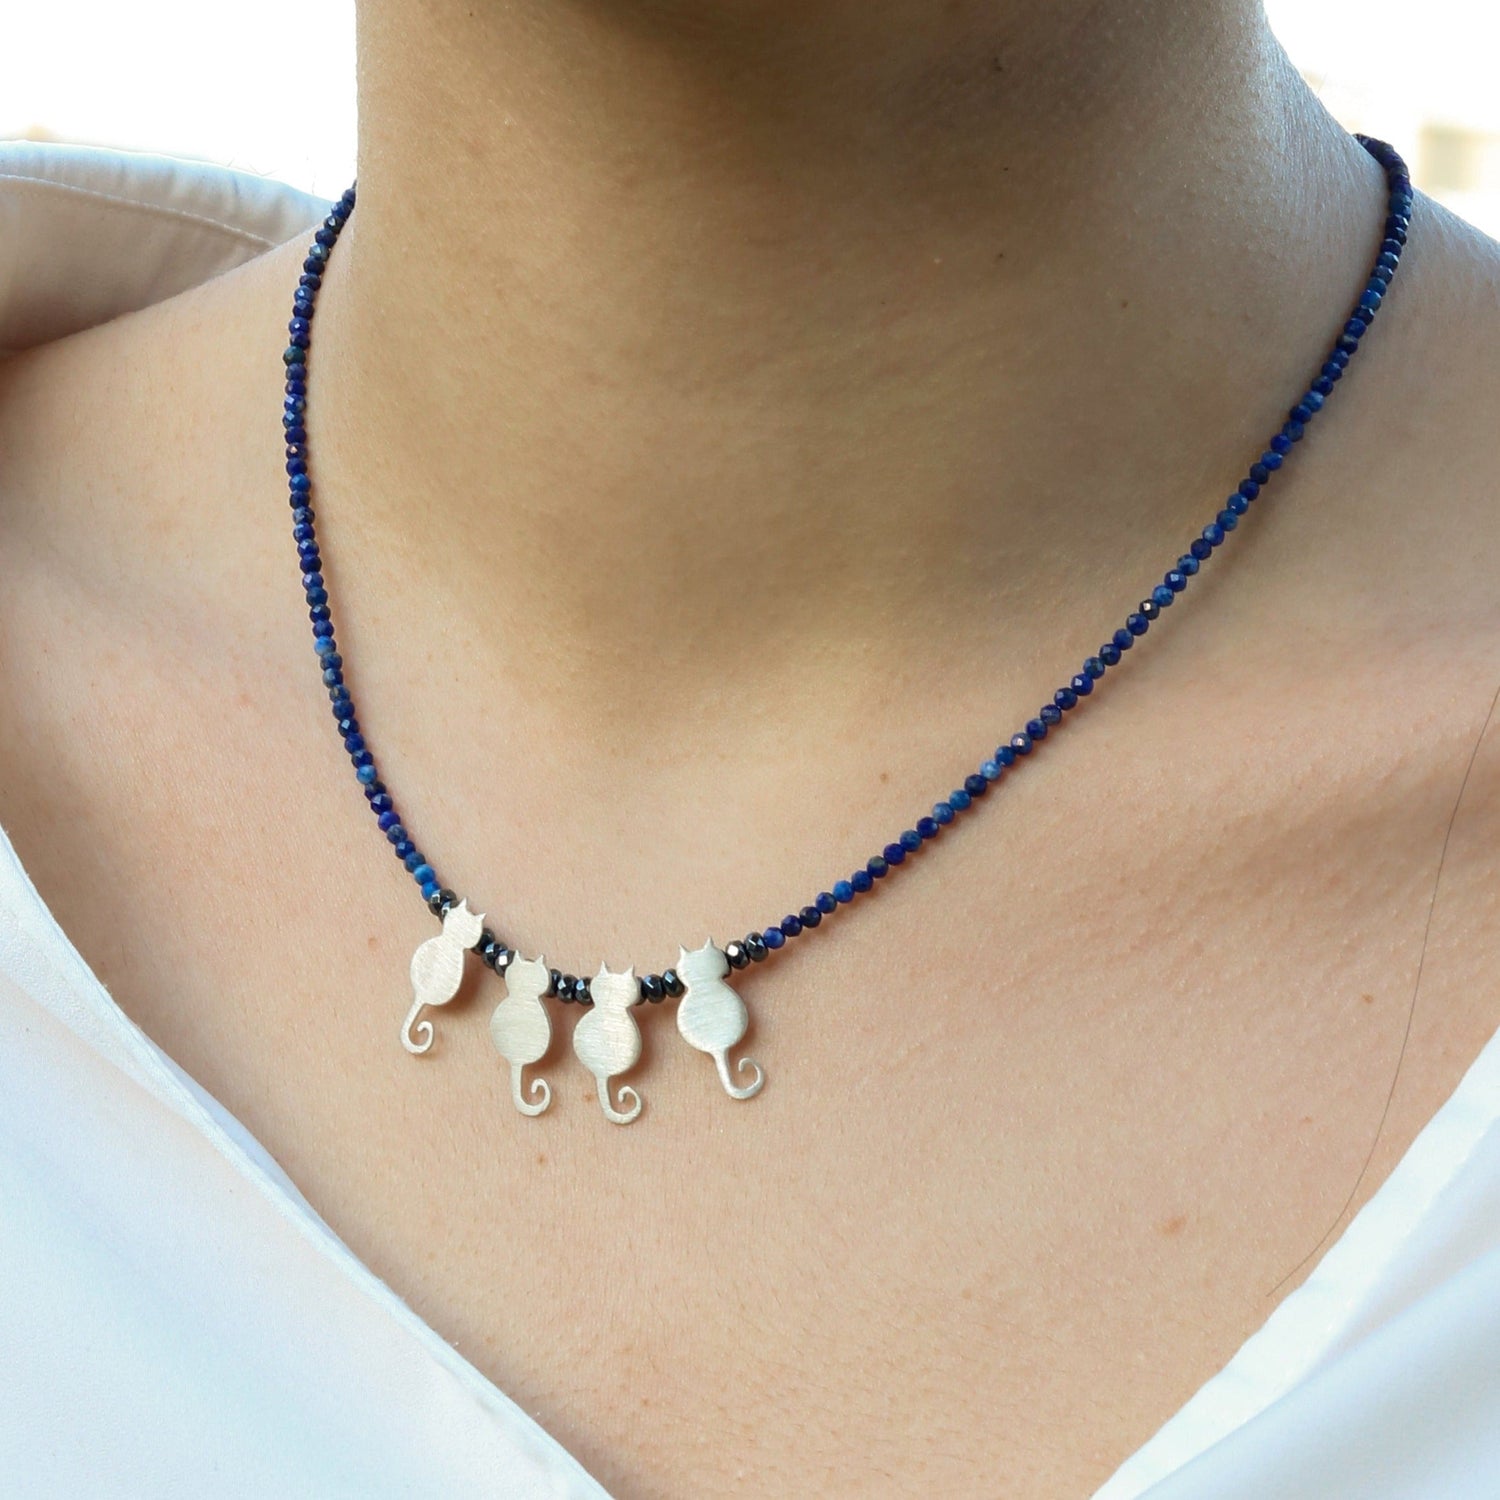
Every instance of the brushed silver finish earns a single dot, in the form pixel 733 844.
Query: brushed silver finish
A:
pixel 712 1017
pixel 608 1042
pixel 437 971
pixel 522 1030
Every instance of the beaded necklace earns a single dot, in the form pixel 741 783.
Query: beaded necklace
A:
pixel 710 1014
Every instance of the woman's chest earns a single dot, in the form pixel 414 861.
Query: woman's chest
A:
pixel 1049 1127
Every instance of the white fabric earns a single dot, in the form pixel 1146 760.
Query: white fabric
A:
pixel 175 1320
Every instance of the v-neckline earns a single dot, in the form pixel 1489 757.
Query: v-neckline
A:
pixel 1286 1347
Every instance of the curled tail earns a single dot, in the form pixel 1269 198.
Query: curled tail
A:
pixel 416 1036
pixel 540 1090
pixel 746 1091
pixel 628 1098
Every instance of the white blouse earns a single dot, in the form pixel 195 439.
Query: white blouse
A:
pixel 175 1320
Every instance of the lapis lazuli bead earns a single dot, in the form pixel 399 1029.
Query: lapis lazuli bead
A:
pixel 893 854
pixel 1122 639
pixel 1163 594
pixel 878 866
pixel 826 901
pixel 861 880
pixel 911 839
pixel 791 925
pixel 927 828
pixel 1066 698
pixel 773 937
pixel 1109 654
pixel 1021 743
pixel 843 892
pixel 976 785
pixel 959 799
pixel 942 813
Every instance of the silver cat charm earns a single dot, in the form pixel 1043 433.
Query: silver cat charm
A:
pixel 608 1041
pixel 712 1017
pixel 522 1030
pixel 437 970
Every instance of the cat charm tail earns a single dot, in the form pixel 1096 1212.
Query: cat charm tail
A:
pixel 712 1017
pixel 608 1041
pixel 522 1030
pixel 437 970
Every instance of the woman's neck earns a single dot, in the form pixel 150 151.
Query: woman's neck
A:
pixel 703 328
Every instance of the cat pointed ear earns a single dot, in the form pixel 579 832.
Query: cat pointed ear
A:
pixel 630 974
pixel 603 972
pixel 708 945
pixel 681 955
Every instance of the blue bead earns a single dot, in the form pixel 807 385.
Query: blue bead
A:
pixel 1066 698
pixel 362 758
pixel 1163 594
pixel 1137 624
pixel 1005 755
pixel 826 902
pixel 1109 654
pixel 1314 400
pixel 1226 519
pixel 396 834
pixel 1281 443
pixel 1271 460
pixel 893 854
pixel 430 888
pixel 959 799
pixel 1200 549
pixel 990 769
pixel 1021 743
pixel 791 925
pixel 810 916
pixel 927 828
pixel 942 813
pixel 388 819
pixel 1187 564
pixel 1323 386
pixel 405 849
pixel 1259 473
pixel 366 774
pixel 325 645
pixel 861 880
pixel 877 865
pixel 1082 685
pixel 300 483
pixel 1213 533
pixel 1122 639
pixel 1093 667
pixel 1050 714
pixel 976 785
pixel 1248 488
pixel 773 937
pixel 1036 729
pixel 843 892
pixel 381 803
pixel 322 626
pixel 1237 506
pixel 412 861
pixel 911 839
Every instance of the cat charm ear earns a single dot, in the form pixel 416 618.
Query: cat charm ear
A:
pixel 712 1017
pixel 522 1030
pixel 608 1041
pixel 437 970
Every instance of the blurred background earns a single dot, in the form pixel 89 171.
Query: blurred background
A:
pixel 1423 76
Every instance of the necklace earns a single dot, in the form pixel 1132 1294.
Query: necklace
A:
pixel 710 1014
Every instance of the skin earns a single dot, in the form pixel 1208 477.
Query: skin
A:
pixel 728 419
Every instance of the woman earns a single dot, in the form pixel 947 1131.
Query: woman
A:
pixel 725 419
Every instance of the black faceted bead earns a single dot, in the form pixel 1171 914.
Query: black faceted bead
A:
pixel 503 957
pixel 557 983
pixel 567 988
pixel 581 992
pixel 487 947
pixel 735 953
pixel 755 946
pixel 672 982
pixel 652 988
